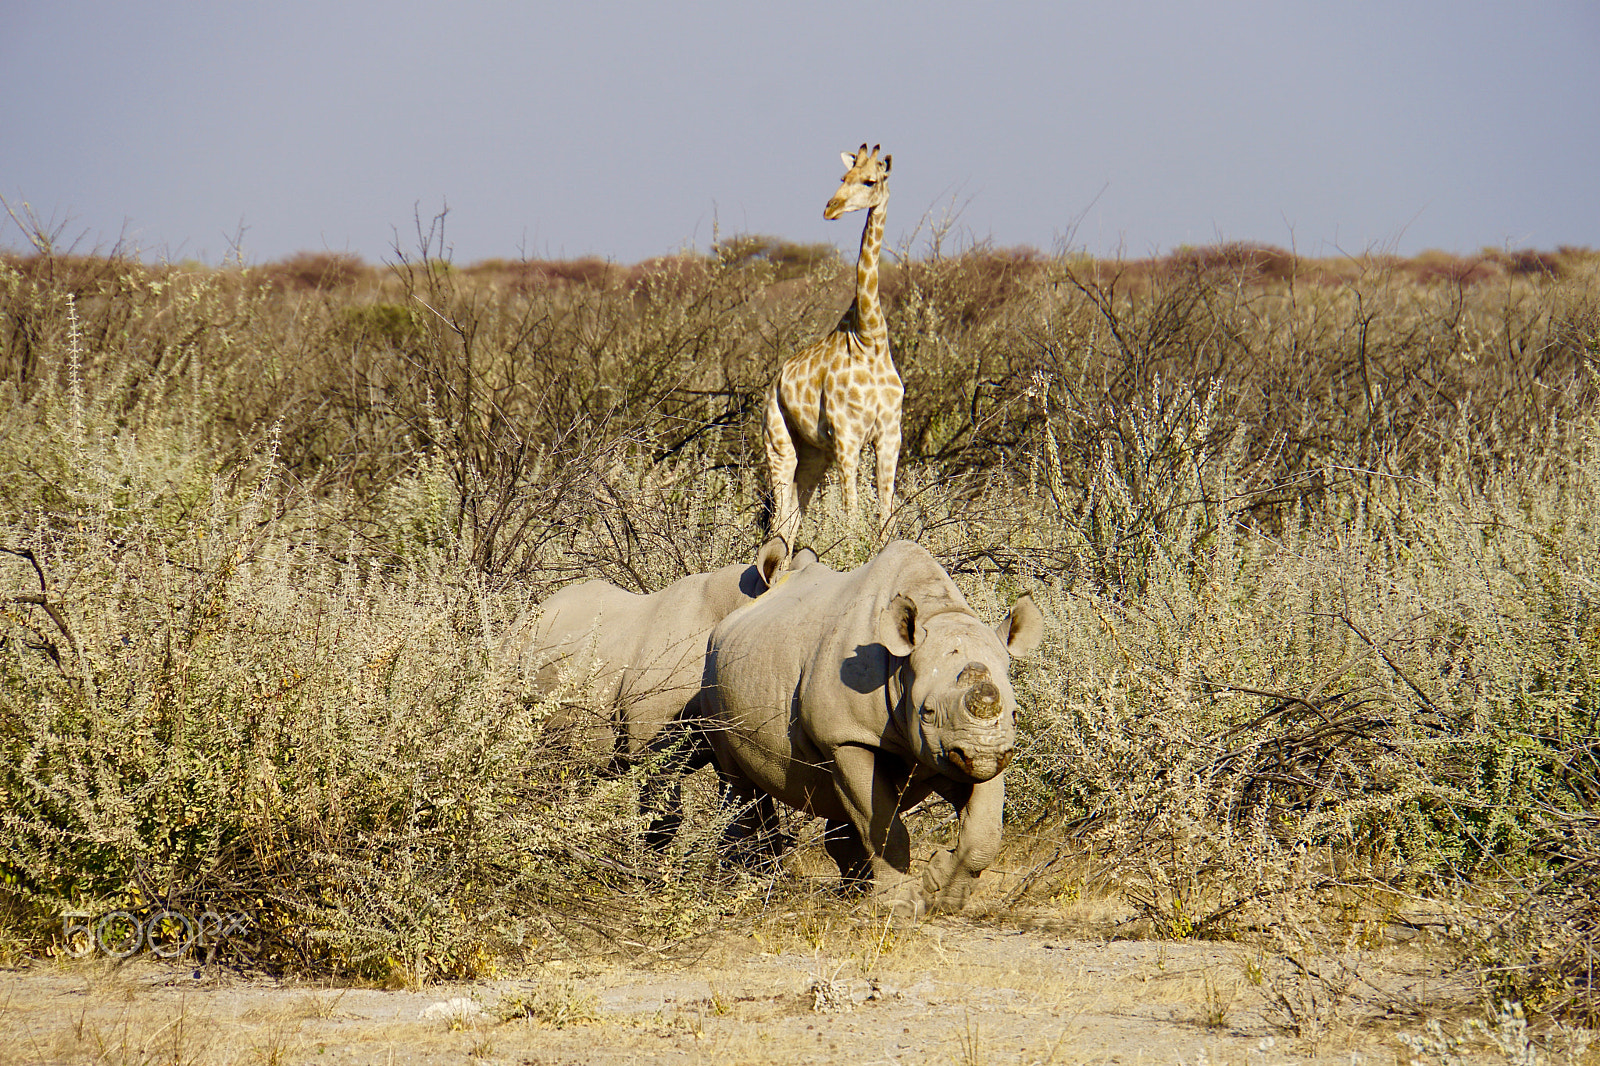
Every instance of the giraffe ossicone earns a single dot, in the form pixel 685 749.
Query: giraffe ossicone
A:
pixel 833 397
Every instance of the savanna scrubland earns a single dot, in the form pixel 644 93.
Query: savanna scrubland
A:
pixel 1317 541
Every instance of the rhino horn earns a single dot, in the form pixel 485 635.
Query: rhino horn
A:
pixel 983 700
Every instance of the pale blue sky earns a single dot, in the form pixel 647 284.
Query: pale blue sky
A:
pixel 628 130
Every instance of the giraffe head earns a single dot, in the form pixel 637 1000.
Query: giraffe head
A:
pixel 866 182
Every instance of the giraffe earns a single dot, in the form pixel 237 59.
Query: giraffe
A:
pixel 835 395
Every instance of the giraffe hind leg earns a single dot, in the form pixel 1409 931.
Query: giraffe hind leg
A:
pixel 783 462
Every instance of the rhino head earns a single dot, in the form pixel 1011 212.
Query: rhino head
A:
pixel 959 708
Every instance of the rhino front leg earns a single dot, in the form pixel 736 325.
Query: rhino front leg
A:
pixel 869 784
pixel 679 749
pixel 950 875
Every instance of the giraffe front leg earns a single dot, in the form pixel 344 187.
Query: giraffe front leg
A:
pixel 848 458
pixel 888 449
pixel 809 470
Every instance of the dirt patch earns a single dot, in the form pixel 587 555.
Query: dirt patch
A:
pixel 944 991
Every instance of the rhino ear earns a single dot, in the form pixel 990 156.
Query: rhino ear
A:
pixel 1023 628
pixel 802 558
pixel 770 559
pixel 897 625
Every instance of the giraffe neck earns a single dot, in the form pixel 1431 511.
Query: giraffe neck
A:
pixel 869 313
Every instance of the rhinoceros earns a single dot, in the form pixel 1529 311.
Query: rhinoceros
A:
pixel 637 657
pixel 854 696
pixel 635 661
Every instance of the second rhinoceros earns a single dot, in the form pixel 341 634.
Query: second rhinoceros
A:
pixel 635 659
pixel 854 696
pixel 631 662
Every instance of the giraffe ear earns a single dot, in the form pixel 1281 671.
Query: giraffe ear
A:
pixel 849 159
pixel 888 161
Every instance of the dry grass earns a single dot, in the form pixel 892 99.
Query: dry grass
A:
pixel 945 990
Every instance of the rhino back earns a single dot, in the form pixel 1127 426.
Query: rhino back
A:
pixel 661 653
pixel 571 626
pixel 800 671
pixel 842 697
pixel 690 606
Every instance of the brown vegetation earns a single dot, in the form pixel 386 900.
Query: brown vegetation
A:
pixel 1317 540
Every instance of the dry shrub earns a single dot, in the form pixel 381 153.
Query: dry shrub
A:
pixel 1319 556
pixel 240 722
pixel 953 328
pixel 964 289
pixel 786 259
pixel 1397 695
pixel 82 275
pixel 323 271
pixel 667 278
pixel 1453 270
pixel 534 275
pixel 1528 261
pixel 1538 944
pixel 1366 375
pixel 273 692
pixel 1239 261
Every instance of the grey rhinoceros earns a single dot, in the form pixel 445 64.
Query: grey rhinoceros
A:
pixel 633 662
pixel 637 658
pixel 854 696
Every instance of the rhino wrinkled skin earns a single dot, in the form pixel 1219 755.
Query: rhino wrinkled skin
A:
pixel 854 696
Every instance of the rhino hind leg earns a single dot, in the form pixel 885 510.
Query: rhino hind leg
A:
pixel 754 838
pixel 662 800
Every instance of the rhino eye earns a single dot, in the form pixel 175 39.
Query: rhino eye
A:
pixel 928 713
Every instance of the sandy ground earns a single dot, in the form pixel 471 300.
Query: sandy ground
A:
pixel 945 991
